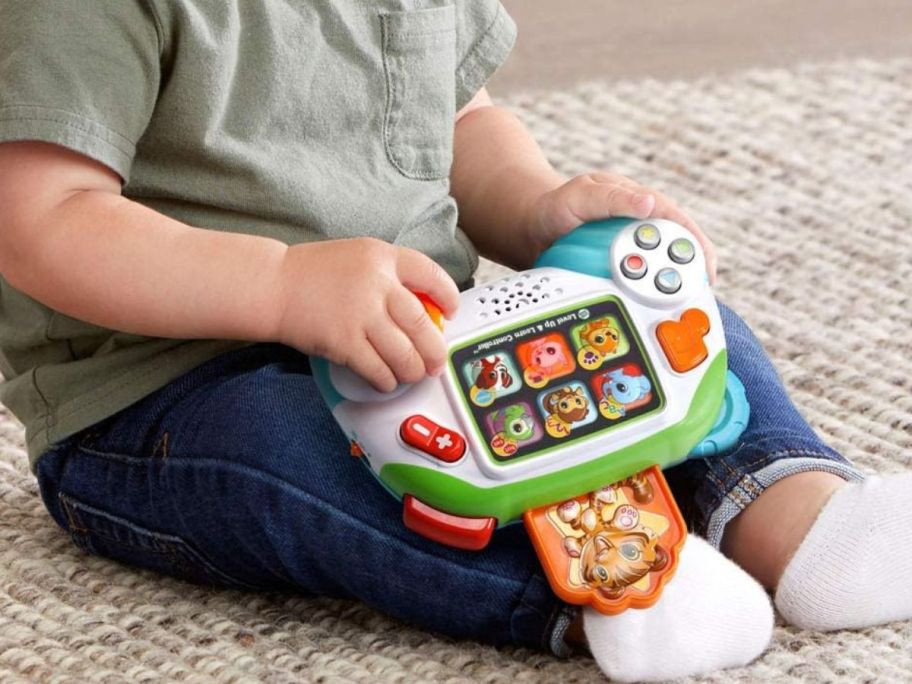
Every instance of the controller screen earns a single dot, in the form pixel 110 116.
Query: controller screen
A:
pixel 549 381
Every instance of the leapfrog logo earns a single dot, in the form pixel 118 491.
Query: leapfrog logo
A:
pixel 583 314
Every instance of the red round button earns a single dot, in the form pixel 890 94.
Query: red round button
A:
pixel 633 266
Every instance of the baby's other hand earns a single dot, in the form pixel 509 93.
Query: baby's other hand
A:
pixel 601 195
pixel 353 302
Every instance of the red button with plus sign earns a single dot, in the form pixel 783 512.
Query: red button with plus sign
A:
pixel 422 433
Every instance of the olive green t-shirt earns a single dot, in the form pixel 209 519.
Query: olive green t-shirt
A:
pixel 295 119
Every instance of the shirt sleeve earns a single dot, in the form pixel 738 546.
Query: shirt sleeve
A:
pixel 81 73
pixel 485 39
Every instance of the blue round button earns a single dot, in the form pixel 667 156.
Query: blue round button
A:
pixel 668 281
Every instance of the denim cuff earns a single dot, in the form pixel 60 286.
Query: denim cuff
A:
pixel 752 485
pixel 558 641
pixel 541 619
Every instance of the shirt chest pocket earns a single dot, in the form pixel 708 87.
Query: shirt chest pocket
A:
pixel 419 61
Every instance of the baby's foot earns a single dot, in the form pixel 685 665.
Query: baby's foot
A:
pixel 853 568
pixel 712 615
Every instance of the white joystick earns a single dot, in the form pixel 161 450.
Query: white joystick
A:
pixel 355 388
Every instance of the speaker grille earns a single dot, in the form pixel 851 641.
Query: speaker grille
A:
pixel 514 293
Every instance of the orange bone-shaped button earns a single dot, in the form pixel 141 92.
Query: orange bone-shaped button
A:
pixel 682 340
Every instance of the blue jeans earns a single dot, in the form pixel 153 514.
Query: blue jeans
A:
pixel 236 475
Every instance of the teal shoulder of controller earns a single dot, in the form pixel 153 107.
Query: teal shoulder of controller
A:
pixel 319 367
pixel 584 249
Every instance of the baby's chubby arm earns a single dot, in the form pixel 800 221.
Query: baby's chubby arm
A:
pixel 70 240
pixel 513 204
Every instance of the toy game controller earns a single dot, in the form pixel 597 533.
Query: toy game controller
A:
pixel 568 388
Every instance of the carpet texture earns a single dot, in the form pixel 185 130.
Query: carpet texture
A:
pixel 803 179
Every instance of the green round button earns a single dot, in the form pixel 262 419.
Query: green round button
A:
pixel 681 251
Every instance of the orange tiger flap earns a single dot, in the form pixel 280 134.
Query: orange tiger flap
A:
pixel 614 548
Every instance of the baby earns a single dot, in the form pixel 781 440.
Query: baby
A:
pixel 198 196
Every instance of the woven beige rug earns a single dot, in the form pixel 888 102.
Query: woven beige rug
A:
pixel 804 180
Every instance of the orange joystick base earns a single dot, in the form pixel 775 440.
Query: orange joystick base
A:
pixel 614 548
pixel 431 307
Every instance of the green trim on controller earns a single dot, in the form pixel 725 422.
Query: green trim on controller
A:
pixel 509 501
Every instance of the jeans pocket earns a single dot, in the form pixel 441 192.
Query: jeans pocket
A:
pixel 419 60
pixel 103 534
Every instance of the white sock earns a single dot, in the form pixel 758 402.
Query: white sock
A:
pixel 854 568
pixel 711 615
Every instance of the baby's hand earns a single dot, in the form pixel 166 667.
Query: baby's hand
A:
pixel 353 302
pixel 601 195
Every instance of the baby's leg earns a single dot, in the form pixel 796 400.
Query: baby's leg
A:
pixel 237 474
pixel 762 503
pixel 853 568
pixel 776 447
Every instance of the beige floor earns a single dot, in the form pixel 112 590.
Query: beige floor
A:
pixel 565 41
